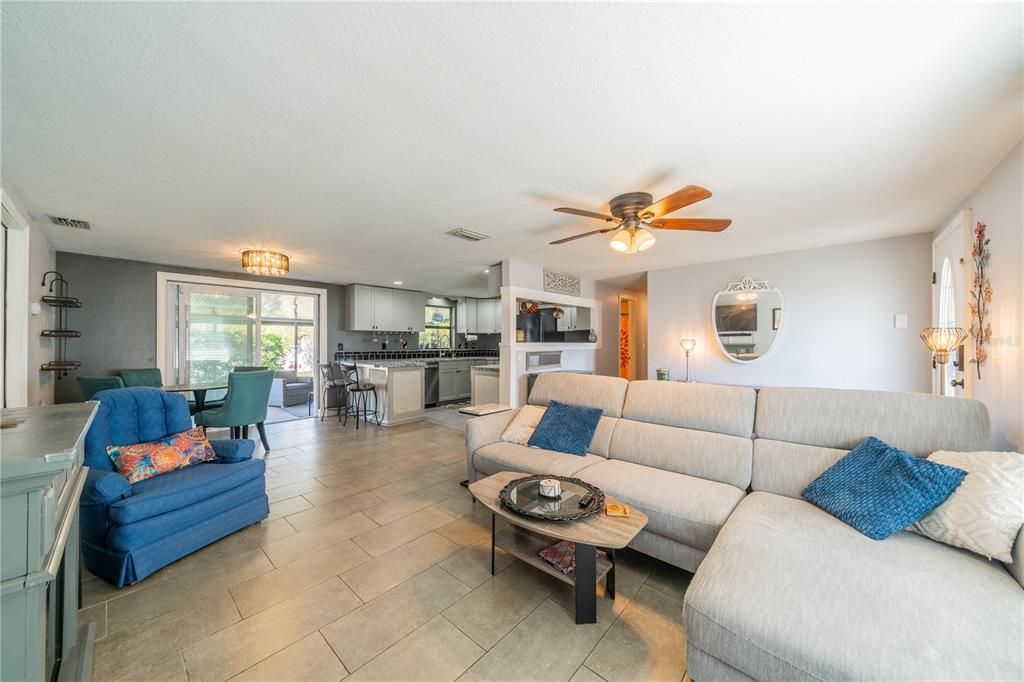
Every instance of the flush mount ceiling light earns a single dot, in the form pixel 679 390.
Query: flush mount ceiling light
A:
pixel 397 282
pixel 259 262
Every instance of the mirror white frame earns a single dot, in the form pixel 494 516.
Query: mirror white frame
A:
pixel 747 284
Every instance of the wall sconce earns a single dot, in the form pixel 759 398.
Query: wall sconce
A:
pixel 942 341
pixel 687 345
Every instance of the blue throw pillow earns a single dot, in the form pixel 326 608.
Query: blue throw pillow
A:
pixel 880 490
pixel 566 428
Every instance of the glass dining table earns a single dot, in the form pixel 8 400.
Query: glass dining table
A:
pixel 198 390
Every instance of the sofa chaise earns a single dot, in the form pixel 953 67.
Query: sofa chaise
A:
pixel 783 590
pixel 790 592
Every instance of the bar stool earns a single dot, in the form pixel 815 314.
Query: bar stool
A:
pixel 330 383
pixel 358 403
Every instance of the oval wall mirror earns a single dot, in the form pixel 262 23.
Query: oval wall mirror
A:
pixel 747 319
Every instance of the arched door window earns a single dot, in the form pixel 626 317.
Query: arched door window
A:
pixel 947 308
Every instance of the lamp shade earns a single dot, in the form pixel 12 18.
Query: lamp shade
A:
pixel 260 262
pixel 687 344
pixel 622 241
pixel 643 240
pixel 942 341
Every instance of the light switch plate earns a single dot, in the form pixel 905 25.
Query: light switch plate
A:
pixel 899 320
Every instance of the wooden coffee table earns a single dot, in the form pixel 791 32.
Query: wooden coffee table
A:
pixel 526 537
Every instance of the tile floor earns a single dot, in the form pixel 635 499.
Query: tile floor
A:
pixel 374 565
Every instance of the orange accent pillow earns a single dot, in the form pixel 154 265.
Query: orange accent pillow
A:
pixel 145 460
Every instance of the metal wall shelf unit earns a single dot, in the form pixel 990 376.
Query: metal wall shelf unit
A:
pixel 59 299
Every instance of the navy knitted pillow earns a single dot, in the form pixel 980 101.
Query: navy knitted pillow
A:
pixel 880 490
pixel 566 428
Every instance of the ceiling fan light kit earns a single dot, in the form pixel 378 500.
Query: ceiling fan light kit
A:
pixel 632 240
pixel 635 213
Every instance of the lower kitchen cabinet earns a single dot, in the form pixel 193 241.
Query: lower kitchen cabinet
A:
pixel 454 379
pixel 447 381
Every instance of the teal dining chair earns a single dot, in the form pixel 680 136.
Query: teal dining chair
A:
pixel 216 398
pixel 89 386
pixel 147 376
pixel 245 404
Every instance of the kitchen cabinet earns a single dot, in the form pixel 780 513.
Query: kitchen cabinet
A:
pixel 574 319
pixel 485 318
pixel 382 309
pixel 409 314
pixel 454 379
pixel 447 381
pixel 479 316
pixel 360 307
pixel 465 316
pixel 463 376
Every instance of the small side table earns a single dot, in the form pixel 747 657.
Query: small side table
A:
pixel 483 410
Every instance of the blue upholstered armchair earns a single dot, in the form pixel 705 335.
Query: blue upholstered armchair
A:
pixel 130 531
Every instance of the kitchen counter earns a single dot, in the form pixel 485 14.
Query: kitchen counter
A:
pixel 484 384
pixel 486 368
pixel 399 386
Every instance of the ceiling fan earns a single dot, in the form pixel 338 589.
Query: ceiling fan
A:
pixel 635 213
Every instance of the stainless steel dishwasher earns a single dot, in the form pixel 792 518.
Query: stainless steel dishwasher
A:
pixel 431 383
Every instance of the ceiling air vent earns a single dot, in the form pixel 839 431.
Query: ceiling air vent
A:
pixel 70 222
pixel 468 235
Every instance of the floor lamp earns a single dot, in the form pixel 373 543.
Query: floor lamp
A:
pixel 687 345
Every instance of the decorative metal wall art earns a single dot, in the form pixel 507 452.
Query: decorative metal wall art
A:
pixel 561 282
pixel 981 296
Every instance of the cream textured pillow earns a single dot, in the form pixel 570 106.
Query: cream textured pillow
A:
pixel 523 424
pixel 985 513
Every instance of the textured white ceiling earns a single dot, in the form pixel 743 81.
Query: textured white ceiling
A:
pixel 351 136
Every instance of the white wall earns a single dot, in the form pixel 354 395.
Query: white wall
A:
pixel 42 258
pixel 607 358
pixel 29 256
pixel 999 203
pixel 837 328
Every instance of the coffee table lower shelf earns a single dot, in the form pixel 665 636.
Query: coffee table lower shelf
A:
pixel 527 545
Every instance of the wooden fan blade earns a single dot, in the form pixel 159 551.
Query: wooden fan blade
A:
pixel 581 236
pixel 586 214
pixel 690 194
pixel 698 224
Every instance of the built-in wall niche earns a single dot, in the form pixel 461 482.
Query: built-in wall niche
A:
pixel 747 319
pixel 543 322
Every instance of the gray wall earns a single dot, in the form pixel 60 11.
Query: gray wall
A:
pixel 837 329
pixel 118 314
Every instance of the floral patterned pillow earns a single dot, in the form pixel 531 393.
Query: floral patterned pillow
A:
pixel 145 460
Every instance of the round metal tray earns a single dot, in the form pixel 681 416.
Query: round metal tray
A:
pixel 522 497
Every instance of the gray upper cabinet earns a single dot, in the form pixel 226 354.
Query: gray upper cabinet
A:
pixel 479 316
pixel 574 319
pixel 485 318
pixel 415 302
pixel 359 311
pixel 382 309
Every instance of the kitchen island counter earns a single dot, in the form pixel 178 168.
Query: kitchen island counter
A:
pixel 399 389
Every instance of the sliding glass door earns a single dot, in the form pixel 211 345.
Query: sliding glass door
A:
pixel 218 328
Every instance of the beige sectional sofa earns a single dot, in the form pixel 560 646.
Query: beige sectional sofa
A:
pixel 681 453
pixel 785 591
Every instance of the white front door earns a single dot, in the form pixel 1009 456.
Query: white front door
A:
pixel 951 268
